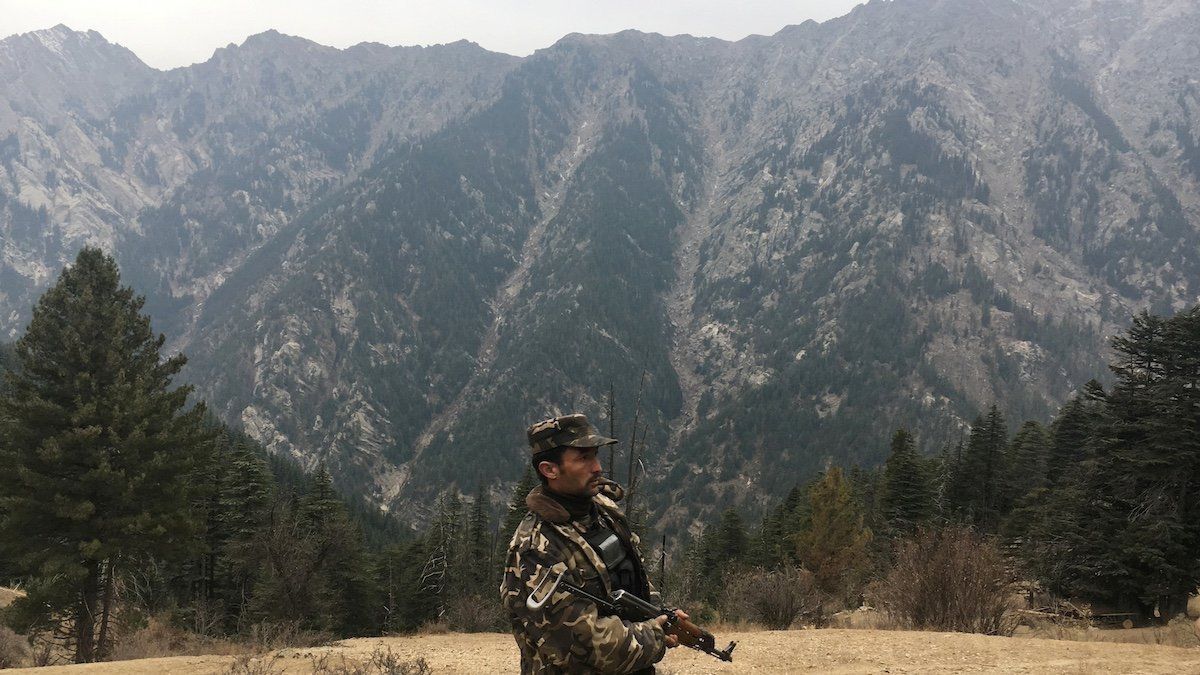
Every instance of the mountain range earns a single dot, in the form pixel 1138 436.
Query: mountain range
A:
pixel 773 251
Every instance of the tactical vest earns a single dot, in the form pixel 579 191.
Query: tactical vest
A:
pixel 624 568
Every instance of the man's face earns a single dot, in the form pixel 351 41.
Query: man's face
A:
pixel 579 474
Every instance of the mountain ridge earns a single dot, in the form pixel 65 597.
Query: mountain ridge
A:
pixel 804 240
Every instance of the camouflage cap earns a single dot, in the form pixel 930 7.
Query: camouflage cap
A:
pixel 569 431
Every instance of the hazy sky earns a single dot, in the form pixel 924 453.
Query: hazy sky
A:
pixel 170 33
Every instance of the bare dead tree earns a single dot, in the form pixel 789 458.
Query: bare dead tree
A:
pixel 629 475
pixel 612 430
pixel 636 449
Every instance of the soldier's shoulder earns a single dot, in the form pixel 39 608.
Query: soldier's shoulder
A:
pixel 531 534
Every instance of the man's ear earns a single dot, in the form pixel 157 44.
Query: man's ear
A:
pixel 549 469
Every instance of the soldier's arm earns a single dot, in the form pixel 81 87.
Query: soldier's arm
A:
pixel 569 630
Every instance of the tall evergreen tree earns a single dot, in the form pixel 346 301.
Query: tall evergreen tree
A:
pixel 1028 458
pixel 346 592
pixel 729 543
pixel 516 505
pixel 99 449
pixel 908 495
pixel 1028 455
pixel 833 545
pixel 244 494
pixel 1151 460
pixel 482 569
pixel 978 495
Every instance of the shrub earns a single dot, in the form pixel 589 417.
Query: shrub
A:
pixel 475 614
pixel 250 665
pixel 267 636
pixel 949 579
pixel 774 598
pixel 380 662
pixel 14 650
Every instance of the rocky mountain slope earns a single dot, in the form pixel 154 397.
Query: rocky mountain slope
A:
pixel 392 259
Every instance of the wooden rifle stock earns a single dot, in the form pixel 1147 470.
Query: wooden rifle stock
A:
pixel 629 606
pixel 688 633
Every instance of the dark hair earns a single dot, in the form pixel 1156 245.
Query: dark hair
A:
pixel 553 455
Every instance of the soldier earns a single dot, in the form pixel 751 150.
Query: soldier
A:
pixel 574 525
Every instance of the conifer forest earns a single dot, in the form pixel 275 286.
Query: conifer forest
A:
pixel 125 500
pixel 895 316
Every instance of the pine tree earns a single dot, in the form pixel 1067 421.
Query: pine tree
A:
pixel 1122 521
pixel 978 494
pixel 244 494
pixel 99 450
pixel 516 505
pixel 480 558
pixel 1028 458
pixel 772 545
pixel 1149 467
pixel 345 594
pixel 908 496
pixel 833 545
pixel 730 542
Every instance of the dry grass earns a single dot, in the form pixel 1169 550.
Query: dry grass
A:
pixel 14 649
pixel 434 628
pixel 864 618
pixel 7 595
pixel 158 638
pixel 726 625
pixel 255 665
pixel 1181 632
pixel 1177 633
pixel 380 662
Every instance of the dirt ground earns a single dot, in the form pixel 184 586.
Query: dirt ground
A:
pixel 799 651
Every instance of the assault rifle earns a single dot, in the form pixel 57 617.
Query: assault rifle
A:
pixel 632 608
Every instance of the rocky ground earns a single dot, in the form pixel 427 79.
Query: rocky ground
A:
pixel 799 651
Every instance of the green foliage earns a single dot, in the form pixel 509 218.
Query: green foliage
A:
pixel 978 491
pixel 908 492
pixel 1028 455
pixel 833 544
pixel 1120 522
pixel 101 449
pixel 516 505
pixel 730 541
pixel 1073 432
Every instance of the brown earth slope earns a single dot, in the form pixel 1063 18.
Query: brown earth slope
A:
pixel 811 651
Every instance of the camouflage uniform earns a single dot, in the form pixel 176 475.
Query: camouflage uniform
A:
pixel 568 634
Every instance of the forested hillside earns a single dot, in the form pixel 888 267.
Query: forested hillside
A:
pixel 773 252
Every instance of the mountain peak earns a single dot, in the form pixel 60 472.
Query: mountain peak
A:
pixel 59 37
pixel 273 39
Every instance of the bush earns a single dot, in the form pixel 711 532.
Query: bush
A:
pixel 949 579
pixel 250 665
pixel 14 650
pixel 774 598
pixel 476 614
pixel 160 637
pixel 380 662
pixel 267 636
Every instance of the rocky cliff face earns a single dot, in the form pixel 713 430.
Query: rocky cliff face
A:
pixel 391 260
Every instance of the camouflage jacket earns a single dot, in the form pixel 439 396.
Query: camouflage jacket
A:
pixel 568 634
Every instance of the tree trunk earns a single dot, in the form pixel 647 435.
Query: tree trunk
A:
pixel 1171 606
pixel 106 609
pixel 85 615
